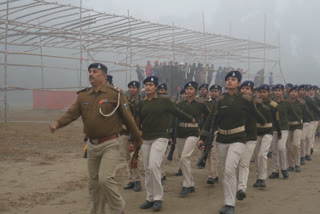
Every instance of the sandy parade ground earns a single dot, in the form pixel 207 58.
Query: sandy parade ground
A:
pixel 42 172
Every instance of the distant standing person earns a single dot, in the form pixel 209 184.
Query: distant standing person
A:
pixel 140 75
pixel 148 69
pixel 102 108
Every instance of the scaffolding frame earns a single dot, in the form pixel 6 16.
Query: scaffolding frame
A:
pixel 38 24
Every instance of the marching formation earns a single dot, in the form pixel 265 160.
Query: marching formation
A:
pixel 234 124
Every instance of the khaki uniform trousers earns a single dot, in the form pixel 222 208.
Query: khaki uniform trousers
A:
pixel 279 151
pixel 179 146
pixel 190 143
pixel 293 147
pixel 245 164
pixel 306 139
pixel 213 162
pixel 103 160
pixel 315 126
pixel 229 158
pixel 261 152
pixel 153 152
pixel 133 174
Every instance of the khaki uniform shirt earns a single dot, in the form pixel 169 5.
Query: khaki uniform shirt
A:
pixel 96 126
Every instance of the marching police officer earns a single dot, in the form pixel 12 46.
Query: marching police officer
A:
pixel 102 108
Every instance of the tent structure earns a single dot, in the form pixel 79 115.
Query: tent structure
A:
pixel 83 35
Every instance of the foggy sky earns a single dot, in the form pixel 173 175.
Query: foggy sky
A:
pixel 296 20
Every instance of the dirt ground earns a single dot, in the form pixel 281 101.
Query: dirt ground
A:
pixel 42 172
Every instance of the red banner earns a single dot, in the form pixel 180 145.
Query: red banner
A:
pixel 53 99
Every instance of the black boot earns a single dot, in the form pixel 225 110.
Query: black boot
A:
pixel 285 174
pixel 241 195
pixel 179 173
pixel 290 169
pixel 211 180
pixel 274 175
pixel 297 168
pixel 308 158
pixel 184 191
pixel 257 183
pixel 146 205
pixel 263 183
pixel 157 205
pixel 130 185
pixel 137 186
pixel 302 162
pixel 227 210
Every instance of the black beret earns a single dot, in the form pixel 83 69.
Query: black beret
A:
pixel 289 85
pixel 247 83
pixel 315 87
pixel 182 91
pixel 191 84
pixel 134 83
pixel 294 88
pixel 216 87
pixel 153 79
pixel 99 66
pixel 309 87
pixel 234 74
pixel 204 86
pixel 278 86
pixel 264 87
pixel 303 86
pixel 163 86
pixel 109 78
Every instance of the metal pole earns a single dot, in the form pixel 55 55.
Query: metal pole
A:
pixel 173 45
pixel 264 41
pixel 204 40
pixel 280 68
pixel 248 58
pixel 42 75
pixel 130 45
pixel 80 80
pixel 5 67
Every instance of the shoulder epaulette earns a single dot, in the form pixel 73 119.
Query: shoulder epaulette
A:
pixel 273 104
pixel 200 99
pixel 82 90
pixel 115 88
pixel 300 100
pixel 258 100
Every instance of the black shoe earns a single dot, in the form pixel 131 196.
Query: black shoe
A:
pixel 241 195
pixel 297 168
pixel 146 205
pixel 179 173
pixel 290 169
pixel 263 183
pixel 257 183
pixel 192 189
pixel 137 186
pixel 130 185
pixel 269 155
pixel 184 191
pixel 302 162
pixel 308 158
pixel 312 149
pixel 285 174
pixel 163 178
pixel 157 205
pixel 274 175
pixel 211 180
pixel 227 210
